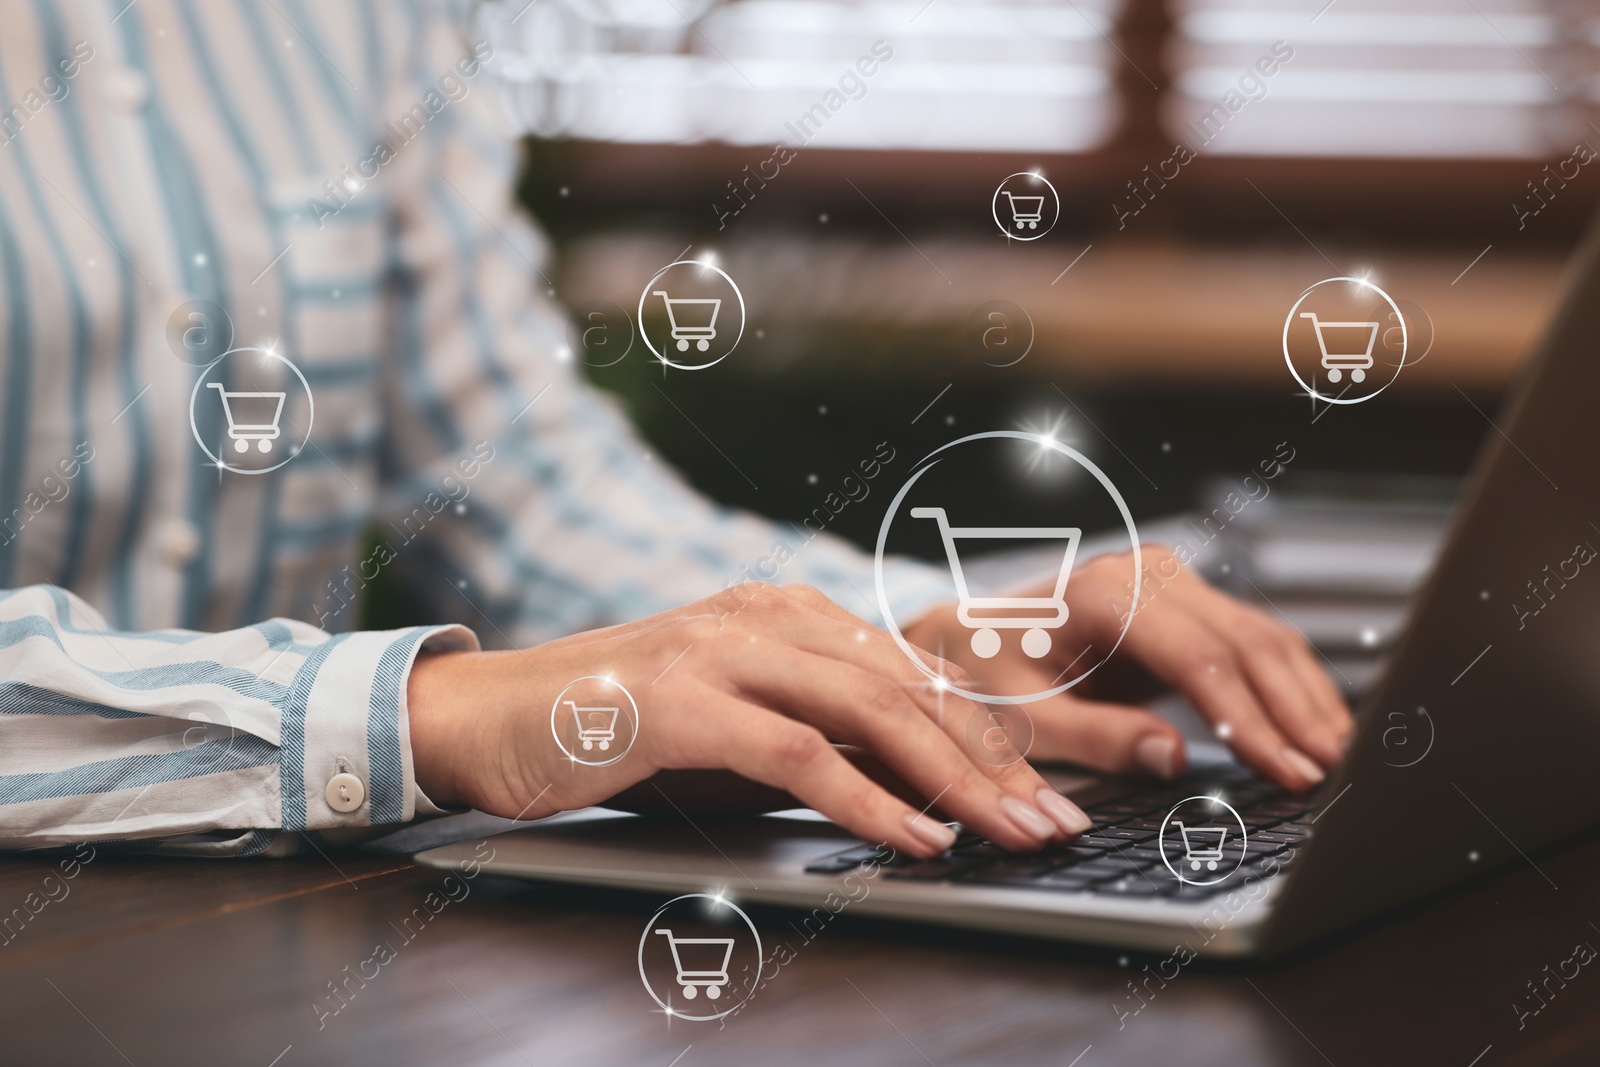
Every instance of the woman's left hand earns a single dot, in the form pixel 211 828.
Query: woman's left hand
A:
pixel 1254 678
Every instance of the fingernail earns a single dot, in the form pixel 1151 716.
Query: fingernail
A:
pixel 931 832
pixel 1158 754
pixel 1067 815
pixel 1027 818
pixel 1303 765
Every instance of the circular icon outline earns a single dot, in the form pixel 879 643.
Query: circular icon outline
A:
pixel 649 928
pixel 926 464
pixel 645 334
pixel 1407 359
pixel 989 752
pixel 593 308
pixel 1289 360
pixel 1433 735
pixel 198 304
pixel 1161 840
pixel 556 732
pixel 311 409
pixel 1033 331
pixel 994 206
pixel 213 723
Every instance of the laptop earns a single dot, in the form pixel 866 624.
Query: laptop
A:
pixel 1474 748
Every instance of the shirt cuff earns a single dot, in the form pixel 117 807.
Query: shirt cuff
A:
pixel 350 764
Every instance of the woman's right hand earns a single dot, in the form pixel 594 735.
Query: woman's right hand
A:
pixel 760 680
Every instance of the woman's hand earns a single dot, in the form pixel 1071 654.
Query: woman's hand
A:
pixel 1254 678
pixel 760 680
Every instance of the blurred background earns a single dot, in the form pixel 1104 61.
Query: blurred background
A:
pixel 1437 146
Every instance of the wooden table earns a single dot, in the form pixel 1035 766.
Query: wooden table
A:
pixel 156 962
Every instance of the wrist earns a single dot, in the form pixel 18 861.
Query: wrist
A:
pixel 439 708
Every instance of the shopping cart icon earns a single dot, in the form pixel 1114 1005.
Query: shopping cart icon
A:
pixel 1194 852
pixel 696 307
pixel 596 726
pixel 1335 363
pixel 711 980
pixel 1025 210
pixel 242 433
pixel 985 615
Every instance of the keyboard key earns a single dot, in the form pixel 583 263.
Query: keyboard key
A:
pixel 1073 854
pixel 848 860
pixel 1099 870
pixel 934 870
pixel 1099 844
pixel 1254 847
pixel 1283 809
pixel 1118 835
pixel 1007 876
pixel 1113 812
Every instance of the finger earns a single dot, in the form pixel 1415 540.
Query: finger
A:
pixel 1278 662
pixel 867 709
pixel 1188 656
pixel 1262 650
pixel 873 650
pixel 1107 737
pixel 785 754
pixel 1335 710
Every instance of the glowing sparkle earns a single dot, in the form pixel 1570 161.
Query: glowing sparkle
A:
pixel 1048 434
pixel 1224 730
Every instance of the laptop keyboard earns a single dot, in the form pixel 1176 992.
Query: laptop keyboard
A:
pixel 1121 854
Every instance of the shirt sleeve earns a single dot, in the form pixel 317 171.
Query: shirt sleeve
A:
pixel 208 744
pixel 567 521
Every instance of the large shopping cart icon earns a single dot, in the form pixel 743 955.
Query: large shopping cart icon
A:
pixel 985 615
pixel 596 726
pixel 242 433
pixel 1025 210
pixel 1351 354
pixel 691 319
pixel 1195 851
pixel 701 950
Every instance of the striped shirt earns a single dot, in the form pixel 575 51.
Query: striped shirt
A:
pixel 177 667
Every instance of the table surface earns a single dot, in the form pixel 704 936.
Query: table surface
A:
pixel 166 961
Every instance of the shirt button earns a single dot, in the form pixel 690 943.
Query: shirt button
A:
pixel 179 542
pixel 128 89
pixel 345 792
